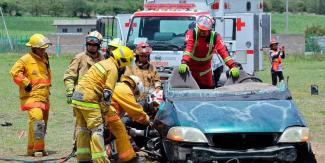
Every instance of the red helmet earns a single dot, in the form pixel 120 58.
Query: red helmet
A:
pixel 204 22
pixel 143 48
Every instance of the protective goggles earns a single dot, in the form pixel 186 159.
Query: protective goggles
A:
pixel 93 40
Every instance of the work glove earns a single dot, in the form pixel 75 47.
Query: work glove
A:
pixel 183 68
pixel 234 72
pixel 69 93
pixel 28 88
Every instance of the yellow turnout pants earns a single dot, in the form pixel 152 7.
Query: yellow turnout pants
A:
pixel 90 141
pixel 37 129
pixel 117 127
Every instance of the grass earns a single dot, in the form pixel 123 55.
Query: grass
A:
pixel 298 22
pixel 303 72
pixel 61 124
pixel 28 25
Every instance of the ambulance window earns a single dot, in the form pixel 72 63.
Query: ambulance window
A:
pixel 248 6
pixel 134 30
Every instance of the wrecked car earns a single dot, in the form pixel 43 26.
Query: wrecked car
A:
pixel 244 120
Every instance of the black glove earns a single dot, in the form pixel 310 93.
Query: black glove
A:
pixel 107 94
pixel 28 88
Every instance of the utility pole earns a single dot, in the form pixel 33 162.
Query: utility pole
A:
pixel 4 23
pixel 287 18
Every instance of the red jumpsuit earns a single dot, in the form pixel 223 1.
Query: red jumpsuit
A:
pixel 198 57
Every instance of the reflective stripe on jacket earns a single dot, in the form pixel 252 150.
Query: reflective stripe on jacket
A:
pixel 199 51
pixel 100 76
pixel 34 70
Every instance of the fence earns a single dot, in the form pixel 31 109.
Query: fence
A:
pixel 18 43
pixel 315 44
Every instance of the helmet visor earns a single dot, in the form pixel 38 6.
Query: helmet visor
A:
pixel 92 40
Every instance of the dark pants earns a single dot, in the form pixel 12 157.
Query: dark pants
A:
pixel 275 75
pixel 216 75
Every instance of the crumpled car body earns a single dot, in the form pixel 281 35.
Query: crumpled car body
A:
pixel 244 122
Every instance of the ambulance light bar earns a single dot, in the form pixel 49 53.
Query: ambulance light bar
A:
pixel 215 5
pixel 153 6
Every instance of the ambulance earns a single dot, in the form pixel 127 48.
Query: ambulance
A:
pixel 244 26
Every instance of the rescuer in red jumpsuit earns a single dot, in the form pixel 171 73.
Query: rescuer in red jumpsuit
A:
pixel 201 44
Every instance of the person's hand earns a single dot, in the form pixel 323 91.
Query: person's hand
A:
pixel 183 68
pixel 28 88
pixel 234 72
pixel 69 93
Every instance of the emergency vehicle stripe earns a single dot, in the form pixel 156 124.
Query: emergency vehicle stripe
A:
pixel 96 155
pixel 205 72
pixel 227 59
pixel 100 68
pixel 125 154
pixel 82 150
pixel 41 105
pixel 41 81
pixel 86 104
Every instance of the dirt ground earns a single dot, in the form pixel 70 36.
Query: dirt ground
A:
pixel 319 151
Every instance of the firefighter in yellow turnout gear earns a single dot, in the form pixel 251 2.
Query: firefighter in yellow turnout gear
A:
pixel 80 64
pixel 33 76
pixel 124 101
pixel 145 70
pixel 91 100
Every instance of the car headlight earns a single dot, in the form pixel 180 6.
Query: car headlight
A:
pixel 294 135
pixel 186 134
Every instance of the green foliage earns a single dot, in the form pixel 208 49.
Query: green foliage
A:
pixel 315 30
pixel 74 8
pixel 311 6
pixel 27 25
pixel 298 22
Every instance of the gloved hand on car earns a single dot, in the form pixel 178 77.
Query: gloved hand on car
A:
pixel 234 72
pixel 183 68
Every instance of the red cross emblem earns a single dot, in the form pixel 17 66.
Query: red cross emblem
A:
pixel 239 24
pixel 127 24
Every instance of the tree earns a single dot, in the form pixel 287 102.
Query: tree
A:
pixel 56 8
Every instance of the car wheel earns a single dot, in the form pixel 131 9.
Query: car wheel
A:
pixel 305 154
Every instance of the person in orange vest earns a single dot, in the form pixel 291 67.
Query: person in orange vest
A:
pixel 276 55
pixel 201 44
pixel 32 74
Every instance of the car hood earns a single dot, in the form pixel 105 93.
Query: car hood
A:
pixel 237 116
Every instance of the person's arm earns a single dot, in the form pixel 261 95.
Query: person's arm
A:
pixel 189 39
pixel 125 98
pixel 18 74
pixel 221 48
pixel 70 77
pixel 156 79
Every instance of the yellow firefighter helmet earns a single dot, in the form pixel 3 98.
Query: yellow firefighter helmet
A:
pixel 116 42
pixel 94 37
pixel 38 41
pixel 123 56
